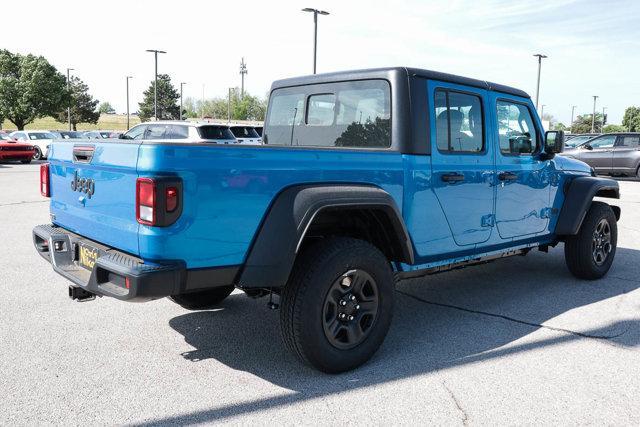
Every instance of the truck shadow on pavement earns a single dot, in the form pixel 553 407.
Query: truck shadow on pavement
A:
pixel 442 321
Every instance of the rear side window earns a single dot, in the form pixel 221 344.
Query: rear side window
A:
pixel 459 127
pixel 215 132
pixel 244 132
pixel 631 141
pixel 156 132
pixel 347 114
pixel 516 132
pixel 177 132
pixel 606 141
pixel 135 132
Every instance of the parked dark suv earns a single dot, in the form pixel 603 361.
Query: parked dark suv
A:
pixel 610 154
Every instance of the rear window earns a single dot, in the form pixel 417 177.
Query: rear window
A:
pixel 244 132
pixel 215 132
pixel 348 114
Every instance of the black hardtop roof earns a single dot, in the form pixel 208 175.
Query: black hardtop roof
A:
pixel 385 72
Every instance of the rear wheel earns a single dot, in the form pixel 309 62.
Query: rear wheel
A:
pixel 337 307
pixel 590 253
pixel 202 299
pixel 37 155
pixel 638 172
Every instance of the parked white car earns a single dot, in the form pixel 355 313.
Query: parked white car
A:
pixel 41 139
pixel 181 131
pixel 246 134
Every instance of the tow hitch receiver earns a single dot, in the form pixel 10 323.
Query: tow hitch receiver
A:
pixel 80 294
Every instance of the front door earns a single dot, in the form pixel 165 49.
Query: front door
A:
pixel 599 155
pixel 523 178
pixel 462 163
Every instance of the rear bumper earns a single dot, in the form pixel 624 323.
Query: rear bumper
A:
pixel 120 275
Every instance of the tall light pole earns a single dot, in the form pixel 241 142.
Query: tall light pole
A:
pixel 573 109
pixel 155 85
pixel 69 92
pixel 243 71
pixel 229 106
pixel 603 110
pixel 128 116
pixel 593 116
pixel 540 57
pixel 181 85
pixel 315 12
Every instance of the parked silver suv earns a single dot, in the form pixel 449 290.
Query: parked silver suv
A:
pixel 610 154
pixel 181 131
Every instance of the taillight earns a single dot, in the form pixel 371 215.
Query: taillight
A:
pixel 146 201
pixel 158 200
pixel 44 180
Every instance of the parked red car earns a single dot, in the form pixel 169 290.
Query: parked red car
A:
pixel 10 149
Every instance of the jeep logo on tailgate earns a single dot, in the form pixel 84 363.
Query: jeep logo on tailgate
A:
pixel 83 185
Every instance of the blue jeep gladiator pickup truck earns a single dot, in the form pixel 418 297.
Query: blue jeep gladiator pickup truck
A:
pixel 364 178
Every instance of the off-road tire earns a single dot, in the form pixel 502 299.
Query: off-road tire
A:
pixel 202 299
pixel 580 250
pixel 304 301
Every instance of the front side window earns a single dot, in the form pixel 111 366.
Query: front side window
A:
pixel 516 132
pixel 346 114
pixel 459 127
pixel 606 141
pixel 135 132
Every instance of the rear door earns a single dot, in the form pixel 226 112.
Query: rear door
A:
pixel 93 191
pixel 600 154
pixel 626 154
pixel 523 177
pixel 462 161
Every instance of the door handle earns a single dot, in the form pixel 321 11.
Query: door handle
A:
pixel 507 176
pixel 452 177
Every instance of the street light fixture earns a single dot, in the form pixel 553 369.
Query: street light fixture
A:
pixel 155 85
pixel 593 116
pixel 69 92
pixel 315 12
pixel 181 85
pixel 540 57
pixel 128 116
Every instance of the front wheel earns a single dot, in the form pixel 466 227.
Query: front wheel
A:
pixel 37 154
pixel 337 306
pixel 202 299
pixel 590 253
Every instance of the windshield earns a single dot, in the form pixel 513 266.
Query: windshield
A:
pixel 578 140
pixel 5 137
pixel 244 132
pixel 215 132
pixel 41 135
pixel 71 135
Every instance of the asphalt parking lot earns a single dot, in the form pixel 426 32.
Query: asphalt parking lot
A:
pixel 518 341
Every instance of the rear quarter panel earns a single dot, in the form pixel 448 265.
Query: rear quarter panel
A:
pixel 228 191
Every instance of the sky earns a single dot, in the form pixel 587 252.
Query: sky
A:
pixel 593 47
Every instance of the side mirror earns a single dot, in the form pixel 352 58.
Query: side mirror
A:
pixel 588 146
pixel 554 142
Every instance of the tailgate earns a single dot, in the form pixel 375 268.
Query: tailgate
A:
pixel 93 191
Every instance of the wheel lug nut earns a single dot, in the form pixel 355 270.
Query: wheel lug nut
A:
pixel 353 297
pixel 346 282
pixel 350 317
pixel 343 302
pixel 357 306
pixel 342 316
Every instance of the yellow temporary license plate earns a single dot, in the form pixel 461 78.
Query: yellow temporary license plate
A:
pixel 87 256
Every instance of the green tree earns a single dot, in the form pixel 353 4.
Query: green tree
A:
pixel 30 88
pixel 247 108
pixel 613 128
pixel 106 108
pixel 559 126
pixel 83 106
pixel 631 119
pixel 168 98
pixel 582 124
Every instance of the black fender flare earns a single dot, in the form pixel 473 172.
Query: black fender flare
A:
pixel 578 197
pixel 277 241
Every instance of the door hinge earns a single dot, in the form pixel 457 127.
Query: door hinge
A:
pixel 548 212
pixel 489 220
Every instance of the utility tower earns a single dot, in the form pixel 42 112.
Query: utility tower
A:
pixel 243 71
